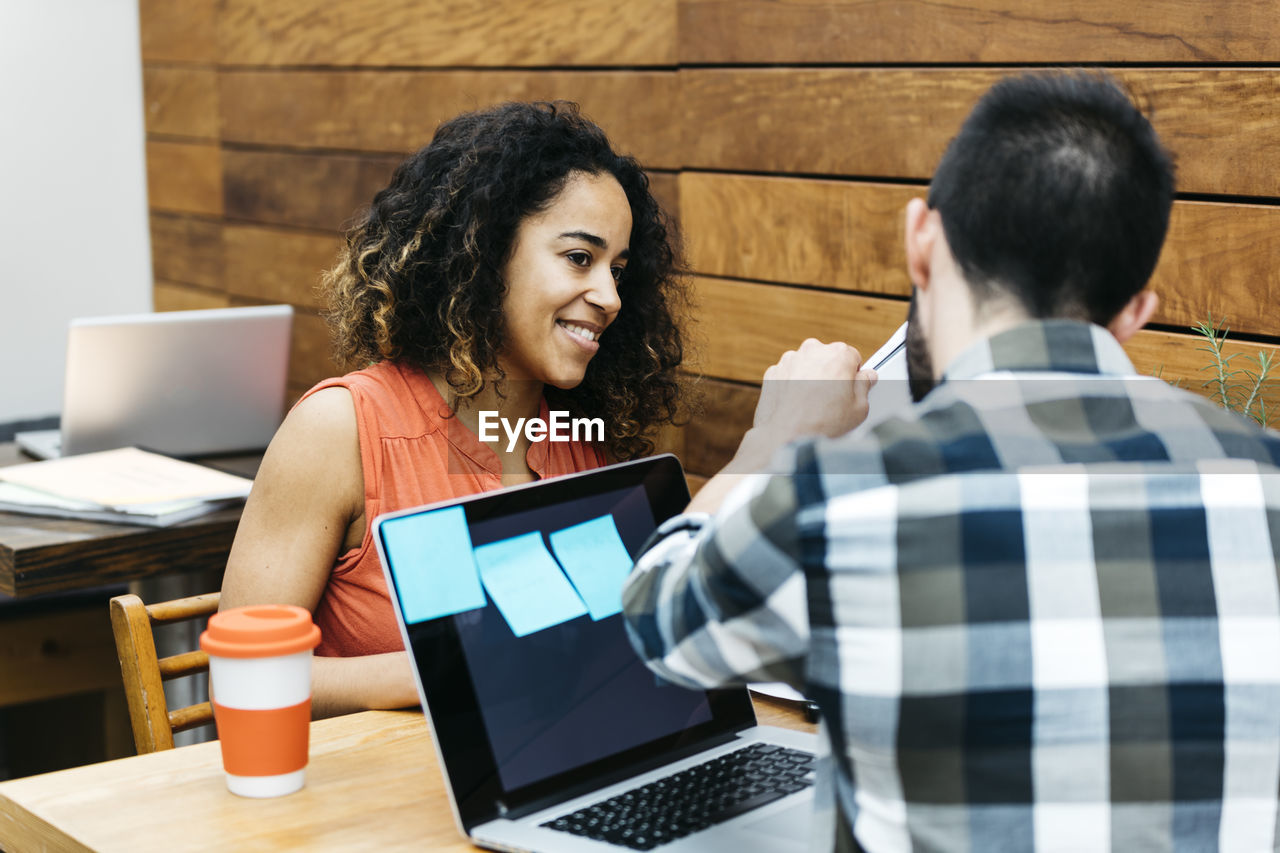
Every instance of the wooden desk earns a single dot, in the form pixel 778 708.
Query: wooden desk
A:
pixel 42 555
pixel 372 784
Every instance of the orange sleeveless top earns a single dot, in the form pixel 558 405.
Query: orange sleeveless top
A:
pixel 412 453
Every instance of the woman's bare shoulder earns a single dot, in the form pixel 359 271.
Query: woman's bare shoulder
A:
pixel 306 496
pixel 318 446
pixel 327 414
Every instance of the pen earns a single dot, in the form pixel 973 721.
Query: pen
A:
pixel 891 354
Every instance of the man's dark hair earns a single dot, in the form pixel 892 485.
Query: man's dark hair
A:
pixel 1057 192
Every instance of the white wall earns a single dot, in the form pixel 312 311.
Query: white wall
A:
pixel 74 235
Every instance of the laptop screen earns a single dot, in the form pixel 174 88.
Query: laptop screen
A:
pixel 511 605
pixel 181 383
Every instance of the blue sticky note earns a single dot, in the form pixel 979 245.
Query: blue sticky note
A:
pixel 526 583
pixel 596 562
pixel 430 556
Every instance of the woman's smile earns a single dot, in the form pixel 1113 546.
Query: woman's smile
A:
pixel 563 279
pixel 584 336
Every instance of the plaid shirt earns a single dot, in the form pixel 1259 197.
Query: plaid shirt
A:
pixel 1037 614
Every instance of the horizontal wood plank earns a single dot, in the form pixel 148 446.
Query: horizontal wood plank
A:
pixel 184 177
pixel 333 110
pixel 712 437
pixel 328 191
pixel 182 32
pixel 896 123
pixel 310 354
pixel 743 327
pixel 990 31
pixel 181 101
pixel 797 231
pixel 186 250
pixel 1181 359
pixel 447 32
pixel 275 265
pixel 1219 123
pixel 1219 259
pixel 669 439
pixel 169 296
pixel 323 191
pixel 755 323
pixel 665 187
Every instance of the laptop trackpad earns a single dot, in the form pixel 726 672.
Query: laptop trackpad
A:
pixel 791 824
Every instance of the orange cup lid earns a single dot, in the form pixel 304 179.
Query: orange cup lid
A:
pixel 260 631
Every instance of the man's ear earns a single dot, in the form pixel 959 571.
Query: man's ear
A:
pixel 922 226
pixel 1134 315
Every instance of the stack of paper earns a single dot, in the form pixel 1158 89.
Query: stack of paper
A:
pixel 126 486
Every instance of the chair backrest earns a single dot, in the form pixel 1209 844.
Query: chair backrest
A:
pixel 144 674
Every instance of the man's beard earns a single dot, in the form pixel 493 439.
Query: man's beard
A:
pixel 920 379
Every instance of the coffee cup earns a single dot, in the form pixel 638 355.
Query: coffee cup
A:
pixel 260 672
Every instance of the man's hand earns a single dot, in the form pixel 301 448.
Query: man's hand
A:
pixel 814 390
pixel 818 389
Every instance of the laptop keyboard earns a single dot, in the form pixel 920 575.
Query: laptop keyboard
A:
pixel 694 799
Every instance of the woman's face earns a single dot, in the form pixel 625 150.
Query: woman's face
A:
pixel 562 281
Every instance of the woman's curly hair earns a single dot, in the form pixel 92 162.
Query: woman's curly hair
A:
pixel 420 278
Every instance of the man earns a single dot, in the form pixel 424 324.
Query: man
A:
pixel 1039 610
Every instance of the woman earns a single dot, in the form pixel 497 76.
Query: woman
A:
pixel 515 265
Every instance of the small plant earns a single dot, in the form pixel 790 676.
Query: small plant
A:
pixel 1237 389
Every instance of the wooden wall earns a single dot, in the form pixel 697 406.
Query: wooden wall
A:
pixel 786 137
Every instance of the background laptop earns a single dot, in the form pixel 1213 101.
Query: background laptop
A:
pixel 540 710
pixel 183 383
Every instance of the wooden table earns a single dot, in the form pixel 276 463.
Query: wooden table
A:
pixel 373 783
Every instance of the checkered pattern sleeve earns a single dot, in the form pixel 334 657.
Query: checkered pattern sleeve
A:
pixel 699 621
pixel 1038 611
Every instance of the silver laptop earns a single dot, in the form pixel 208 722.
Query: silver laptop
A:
pixel 551 733
pixel 183 383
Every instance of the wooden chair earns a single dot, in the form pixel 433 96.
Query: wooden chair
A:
pixel 144 674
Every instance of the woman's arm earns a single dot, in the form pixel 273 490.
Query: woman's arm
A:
pixel 307 507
